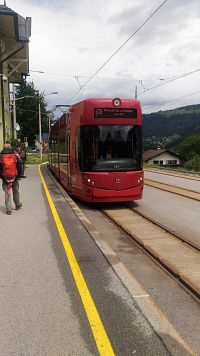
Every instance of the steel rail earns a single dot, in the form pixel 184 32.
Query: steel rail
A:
pixel 185 280
pixel 191 194
pixel 174 174
pixel 190 288
pixel 175 234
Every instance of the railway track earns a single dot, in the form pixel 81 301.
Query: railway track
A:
pixel 174 174
pixel 179 256
pixel 174 253
pixel 173 189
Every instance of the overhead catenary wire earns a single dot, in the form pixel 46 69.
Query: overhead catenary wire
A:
pixel 75 76
pixel 69 75
pixel 43 72
pixel 169 81
pixel 169 101
pixel 108 60
pixel 174 78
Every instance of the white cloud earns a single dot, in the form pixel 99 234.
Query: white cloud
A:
pixel 75 38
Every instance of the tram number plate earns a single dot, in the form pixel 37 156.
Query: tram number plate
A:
pixel 107 113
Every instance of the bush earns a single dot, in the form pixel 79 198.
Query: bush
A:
pixel 34 158
pixel 194 163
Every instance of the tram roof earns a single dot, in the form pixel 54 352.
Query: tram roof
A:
pixel 107 100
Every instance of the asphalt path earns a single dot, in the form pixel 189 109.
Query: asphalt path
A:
pixel 38 316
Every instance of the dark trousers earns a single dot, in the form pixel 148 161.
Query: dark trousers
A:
pixel 8 194
pixel 22 168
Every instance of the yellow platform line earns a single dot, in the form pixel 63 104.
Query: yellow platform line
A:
pixel 99 333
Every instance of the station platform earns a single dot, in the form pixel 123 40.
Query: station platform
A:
pixel 60 295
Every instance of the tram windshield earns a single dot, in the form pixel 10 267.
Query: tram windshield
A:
pixel 109 148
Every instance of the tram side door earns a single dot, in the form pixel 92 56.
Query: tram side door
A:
pixel 69 184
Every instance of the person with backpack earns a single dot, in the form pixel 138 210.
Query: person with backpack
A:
pixel 10 170
pixel 22 154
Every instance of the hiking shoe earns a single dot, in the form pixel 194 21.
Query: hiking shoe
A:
pixel 9 212
pixel 18 206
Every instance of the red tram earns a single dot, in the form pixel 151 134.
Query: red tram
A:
pixel 96 150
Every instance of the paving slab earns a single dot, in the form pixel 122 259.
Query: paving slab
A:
pixel 128 220
pixel 118 212
pixel 169 247
pixel 193 280
pixel 183 265
pixel 175 254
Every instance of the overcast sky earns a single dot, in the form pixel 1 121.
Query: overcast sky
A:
pixel 72 39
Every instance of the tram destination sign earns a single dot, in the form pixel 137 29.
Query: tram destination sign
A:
pixel 107 113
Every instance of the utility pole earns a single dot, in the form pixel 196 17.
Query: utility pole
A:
pixel 40 121
pixel 136 92
pixel 40 127
pixel 49 121
pixel 14 113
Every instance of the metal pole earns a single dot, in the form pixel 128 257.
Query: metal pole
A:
pixel 136 92
pixel 49 121
pixel 2 103
pixel 14 113
pixel 40 128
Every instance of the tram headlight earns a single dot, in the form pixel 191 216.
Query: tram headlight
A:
pixel 140 180
pixel 89 181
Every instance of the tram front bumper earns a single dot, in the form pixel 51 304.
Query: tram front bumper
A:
pixel 109 195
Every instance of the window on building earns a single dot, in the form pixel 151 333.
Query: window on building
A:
pixel 171 162
pixel 155 162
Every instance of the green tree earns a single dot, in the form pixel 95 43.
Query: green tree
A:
pixel 190 147
pixel 27 111
pixel 194 163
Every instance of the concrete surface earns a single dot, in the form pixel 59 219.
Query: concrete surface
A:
pixel 41 311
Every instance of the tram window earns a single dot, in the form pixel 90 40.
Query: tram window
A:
pixel 54 148
pixel 68 145
pixel 62 150
pixel 77 145
pixel 105 147
pixel 83 147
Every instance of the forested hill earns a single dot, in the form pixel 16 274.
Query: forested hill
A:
pixel 169 128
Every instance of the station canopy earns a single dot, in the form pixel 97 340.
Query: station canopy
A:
pixel 15 32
